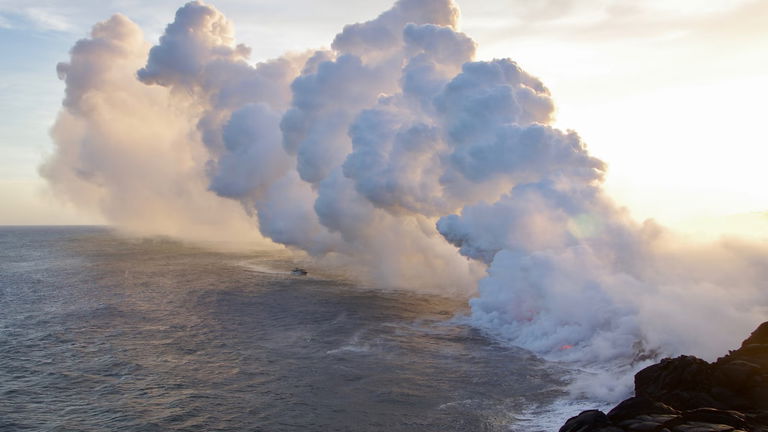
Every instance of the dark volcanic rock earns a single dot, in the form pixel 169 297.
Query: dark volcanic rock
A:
pixel 592 420
pixel 687 394
pixel 758 337
pixel 682 382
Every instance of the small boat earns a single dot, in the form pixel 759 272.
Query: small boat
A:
pixel 298 272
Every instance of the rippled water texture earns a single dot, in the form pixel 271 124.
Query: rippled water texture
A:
pixel 100 333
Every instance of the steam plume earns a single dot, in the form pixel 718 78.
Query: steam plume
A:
pixel 397 153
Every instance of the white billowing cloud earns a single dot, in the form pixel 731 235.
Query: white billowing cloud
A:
pixel 397 155
pixel 199 35
pixel 385 33
pixel 395 167
pixel 527 154
pixel 122 152
pixel 556 250
pixel 246 169
pixel 315 127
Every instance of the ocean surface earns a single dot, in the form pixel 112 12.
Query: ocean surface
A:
pixel 103 333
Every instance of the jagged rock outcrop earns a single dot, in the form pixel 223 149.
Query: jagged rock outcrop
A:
pixel 687 394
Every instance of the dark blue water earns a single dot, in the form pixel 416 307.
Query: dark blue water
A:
pixel 103 333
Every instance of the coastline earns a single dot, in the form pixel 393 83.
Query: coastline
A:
pixel 688 394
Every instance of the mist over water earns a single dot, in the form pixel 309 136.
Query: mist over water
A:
pixel 103 333
pixel 397 158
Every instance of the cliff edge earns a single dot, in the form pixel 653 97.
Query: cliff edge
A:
pixel 687 394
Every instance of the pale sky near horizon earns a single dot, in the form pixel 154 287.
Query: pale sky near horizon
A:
pixel 669 93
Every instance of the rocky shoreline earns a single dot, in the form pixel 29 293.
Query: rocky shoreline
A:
pixel 688 394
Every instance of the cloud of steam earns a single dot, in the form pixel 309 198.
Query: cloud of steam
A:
pixel 125 149
pixel 395 153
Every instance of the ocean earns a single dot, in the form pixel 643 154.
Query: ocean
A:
pixel 100 332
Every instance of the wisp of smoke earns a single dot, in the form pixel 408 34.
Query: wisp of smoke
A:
pixel 396 154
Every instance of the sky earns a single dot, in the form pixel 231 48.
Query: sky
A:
pixel 670 94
